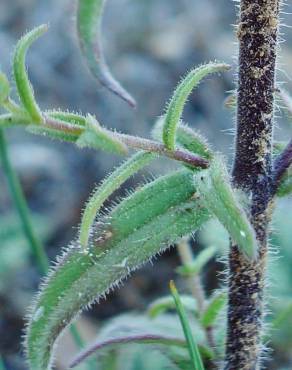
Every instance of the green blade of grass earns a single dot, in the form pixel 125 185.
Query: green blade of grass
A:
pixel 192 345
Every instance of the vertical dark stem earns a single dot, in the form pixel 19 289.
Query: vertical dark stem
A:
pixel 252 173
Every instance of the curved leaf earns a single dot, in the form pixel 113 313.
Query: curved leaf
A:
pixel 89 17
pixel 153 339
pixel 214 307
pixel 219 197
pixel 121 242
pixel 180 96
pixel 160 305
pixel 24 88
pixel 109 185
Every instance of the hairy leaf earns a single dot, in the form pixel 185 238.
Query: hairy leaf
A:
pixel 95 136
pixel 24 88
pixel 186 138
pixel 175 108
pixel 89 17
pixel 192 345
pixel 121 242
pixel 109 185
pixel 214 186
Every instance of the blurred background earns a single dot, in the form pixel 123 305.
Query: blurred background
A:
pixel 149 45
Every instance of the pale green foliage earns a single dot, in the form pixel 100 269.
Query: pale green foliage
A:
pixel 215 306
pixel 4 88
pixel 213 184
pixel 176 105
pixel 163 304
pixel 24 87
pixel 120 175
pixel 89 17
pixel 121 242
pixel 196 266
pixel 95 136
pixel 192 345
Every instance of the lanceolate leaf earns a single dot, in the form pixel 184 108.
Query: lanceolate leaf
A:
pixel 89 18
pixel 160 305
pixel 198 263
pixel 154 339
pixel 214 186
pixel 175 108
pixel 24 87
pixel 192 345
pixel 121 242
pixel 213 309
pixel 109 185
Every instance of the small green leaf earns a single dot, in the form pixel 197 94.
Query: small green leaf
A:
pixel 160 305
pixel 213 309
pixel 213 184
pixel 285 187
pixel 89 18
pixel 24 87
pixel 113 182
pixel 196 266
pixel 192 345
pixel 95 136
pixel 4 88
pixel 140 227
pixel 69 117
pixel 186 138
pixel 175 108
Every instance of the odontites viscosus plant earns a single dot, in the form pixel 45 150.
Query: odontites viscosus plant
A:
pixel 157 215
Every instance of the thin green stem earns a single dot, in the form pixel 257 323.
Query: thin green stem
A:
pixel 22 208
pixel 24 214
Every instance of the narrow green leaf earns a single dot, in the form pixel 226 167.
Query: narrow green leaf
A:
pixel 95 136
pixel 160 305
pixel 24 87
pixel 213 184
pixel 4 88
pixel 52 133
pixel 102 192
pixel 89 18
pixel 175 108
pixel 285 187
pixel 186 138
pixel 196 266
pixel 140 227
pixel 192 345
pixel 69 117
pixel 154 339
pixel 213 309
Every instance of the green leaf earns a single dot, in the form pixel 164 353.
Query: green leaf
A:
pixel 285 187
pixel 102 192
pixel 213 309
pixel 192 345
pixel 196 266
pixel 144 338
pixel 213 184
pixel 175 108
pixel 95 136
pixel 89 18
pixel 24 87
pixel 141 226
pixel 160 305
pixel 186 138
pixel 4 88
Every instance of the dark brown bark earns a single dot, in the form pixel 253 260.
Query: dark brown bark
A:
pixel 252 173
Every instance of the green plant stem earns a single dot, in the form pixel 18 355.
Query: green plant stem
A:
pixel 195 285
pixel 23 211
pixel 130 141
pixel 21 206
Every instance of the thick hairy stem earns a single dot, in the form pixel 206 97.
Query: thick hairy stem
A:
pixel 252 173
